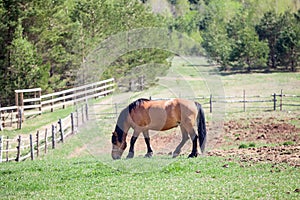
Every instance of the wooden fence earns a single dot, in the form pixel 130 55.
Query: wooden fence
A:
pixel 31 101
pixel 33 145
pixel 233 104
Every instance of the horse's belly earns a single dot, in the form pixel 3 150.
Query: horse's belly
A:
pixel 162 125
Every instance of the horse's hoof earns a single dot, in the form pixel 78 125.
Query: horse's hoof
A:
pixel 148 155
pixel 130 155
pixel 175 155
pixel 193 155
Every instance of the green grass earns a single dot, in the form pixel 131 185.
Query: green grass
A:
pixel 82 168
pixel 36 122
pixel 200 178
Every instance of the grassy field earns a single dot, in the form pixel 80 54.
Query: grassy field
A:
pixel 58 176
pixel 82 168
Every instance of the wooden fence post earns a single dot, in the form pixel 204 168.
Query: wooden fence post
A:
pixel 22 106
pixel 244 100
pixel 46 140
pixel 82 114
pixel 1 148
pixel 19 149
pixel 72 123
pixel 61 130
pixel 77 117
pixel 31 147
pixel 7 146
pixel 11 118
pixel 37 143
pixel 210 104
pixel 86 112
pixel 64 106
pixel 53 137
pixel 20 118
pixel 40 102
pixel 274 101
pixel 51 104
pixel 280 104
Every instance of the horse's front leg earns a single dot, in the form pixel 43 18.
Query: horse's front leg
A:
pixel 147 141
pixel 132 142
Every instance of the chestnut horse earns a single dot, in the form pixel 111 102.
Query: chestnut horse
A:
pixel 143 115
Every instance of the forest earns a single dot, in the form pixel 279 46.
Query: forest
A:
pixel 44 42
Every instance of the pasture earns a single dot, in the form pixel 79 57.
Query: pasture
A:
pixel 256 156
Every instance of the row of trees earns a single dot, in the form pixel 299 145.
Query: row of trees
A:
pixel 271 43
pixel 245 34
pixel 44 42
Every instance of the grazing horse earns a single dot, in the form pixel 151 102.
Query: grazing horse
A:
pixel 143 115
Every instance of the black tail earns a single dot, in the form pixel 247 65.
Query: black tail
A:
pixel 201 127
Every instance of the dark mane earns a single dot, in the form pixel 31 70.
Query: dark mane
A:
pixel 136 103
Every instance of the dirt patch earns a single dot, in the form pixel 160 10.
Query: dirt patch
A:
pixel 267 131
pixel 276 155
pixel 264 140
pixel 258 131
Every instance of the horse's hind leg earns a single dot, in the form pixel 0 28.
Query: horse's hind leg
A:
pixel 194 139
pixel 147 141
pixel 184 138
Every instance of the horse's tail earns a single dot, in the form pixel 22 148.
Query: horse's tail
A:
pixel 201 127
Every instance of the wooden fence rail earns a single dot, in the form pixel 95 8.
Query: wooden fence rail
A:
pixel 233 104
pixel 31 101
pixel 34 144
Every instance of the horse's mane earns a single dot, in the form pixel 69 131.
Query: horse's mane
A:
pixel 136 103
pixel 123 115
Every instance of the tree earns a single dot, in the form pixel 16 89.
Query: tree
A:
pixel 288 45
pixel 269 29
pixel 26 69
pixel 217 45
pixel 249 51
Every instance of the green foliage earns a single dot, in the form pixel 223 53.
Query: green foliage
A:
pixel 243 146
pixel 27 69
pixel 288 44
pixel 288 143
pixel 59 35
pixel 234 39
pixel 56 36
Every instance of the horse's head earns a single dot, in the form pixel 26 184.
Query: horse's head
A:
pixel 118 145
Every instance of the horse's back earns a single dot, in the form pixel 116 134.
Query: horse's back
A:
pixel 163 114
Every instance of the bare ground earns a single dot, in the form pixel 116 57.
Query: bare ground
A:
pixel 278 141
pixel 262 139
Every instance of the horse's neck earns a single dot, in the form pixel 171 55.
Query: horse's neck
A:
pixel 123 121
